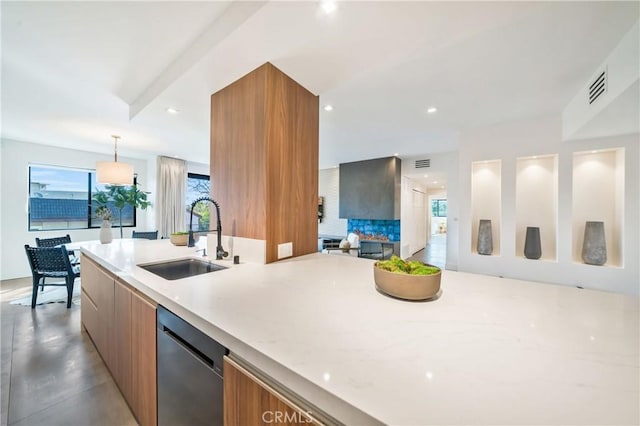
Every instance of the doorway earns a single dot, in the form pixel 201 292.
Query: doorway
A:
pixel 435 252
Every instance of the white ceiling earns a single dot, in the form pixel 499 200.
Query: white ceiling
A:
pixel 73 73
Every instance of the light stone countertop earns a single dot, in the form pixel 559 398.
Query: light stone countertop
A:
pixel 488 351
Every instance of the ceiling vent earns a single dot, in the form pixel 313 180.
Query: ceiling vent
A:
pixel 598 86
pixel 421 164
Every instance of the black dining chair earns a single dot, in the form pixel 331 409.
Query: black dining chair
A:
pixel 51 262
pixel 52 242
pixel 55 242
pixel 146 235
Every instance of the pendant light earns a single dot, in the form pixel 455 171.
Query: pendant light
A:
pixel 112 172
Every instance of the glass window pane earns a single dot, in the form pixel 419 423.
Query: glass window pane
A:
pixel 128 214
pixel 439 208
pixel 198 186
pixel 58 198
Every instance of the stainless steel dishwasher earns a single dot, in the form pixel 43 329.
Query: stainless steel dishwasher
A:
pixel 190 386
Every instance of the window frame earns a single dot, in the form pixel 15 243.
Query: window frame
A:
pixel 90 192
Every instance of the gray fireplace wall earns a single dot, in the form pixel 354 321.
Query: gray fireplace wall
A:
pixel 370 189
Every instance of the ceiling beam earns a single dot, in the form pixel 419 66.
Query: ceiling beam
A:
pixel 234 16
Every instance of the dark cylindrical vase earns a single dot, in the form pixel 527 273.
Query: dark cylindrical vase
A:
pixel 532 247
pixel 485 239
pixel 594 247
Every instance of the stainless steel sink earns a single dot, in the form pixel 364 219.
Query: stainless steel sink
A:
pixel 182 268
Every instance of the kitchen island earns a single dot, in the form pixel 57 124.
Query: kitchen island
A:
pixel 488 351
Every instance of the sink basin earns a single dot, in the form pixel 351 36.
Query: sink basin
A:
pixel 182 268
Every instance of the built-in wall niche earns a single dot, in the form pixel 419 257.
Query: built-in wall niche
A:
pixel 598 196
pixel 537 206
pixel 485 206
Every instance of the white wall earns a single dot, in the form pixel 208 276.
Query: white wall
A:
pixel 543 136
pixel 15 160
pixel 582 119
pixel 329 188
pixel 413 217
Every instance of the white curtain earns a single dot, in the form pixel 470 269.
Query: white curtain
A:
pixel 171 195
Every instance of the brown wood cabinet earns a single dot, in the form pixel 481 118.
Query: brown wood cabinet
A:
pixel 122 323
pixel 97 307
pixel 143 360
pixel 122 347
pixel 248 400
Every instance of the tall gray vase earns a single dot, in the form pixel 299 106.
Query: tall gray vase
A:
pixel 532 247
pixel 594 247
pixel 485 239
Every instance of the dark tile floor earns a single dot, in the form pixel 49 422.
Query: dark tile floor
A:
pixel 435 253
pixel 51 373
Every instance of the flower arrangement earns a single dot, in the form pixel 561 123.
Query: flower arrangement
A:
pixel 104 213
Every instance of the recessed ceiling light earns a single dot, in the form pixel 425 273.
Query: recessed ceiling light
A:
pixel 329 6
pixel 172 110
pixel 426 175
pixel 535 157
pixel 593 152
pixel 432 110
pixel 328 108
pixel 435 182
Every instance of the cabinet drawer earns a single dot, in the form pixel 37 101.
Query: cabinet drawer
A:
pixel 89 277
pixel 89 317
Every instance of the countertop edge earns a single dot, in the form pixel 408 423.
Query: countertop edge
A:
pixel 339 410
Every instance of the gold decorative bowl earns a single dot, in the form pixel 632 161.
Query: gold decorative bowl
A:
pixel 179 239
pixel 405 286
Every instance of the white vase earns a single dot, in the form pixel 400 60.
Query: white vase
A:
pixel 105 232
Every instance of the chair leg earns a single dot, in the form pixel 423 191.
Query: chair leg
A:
pixel 42 284
pixel 34 293
pixel 70 282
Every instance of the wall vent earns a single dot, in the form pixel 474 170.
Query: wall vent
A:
pixel 421 164
pixel 598 86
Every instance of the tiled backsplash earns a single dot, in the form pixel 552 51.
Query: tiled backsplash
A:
pixel 375 229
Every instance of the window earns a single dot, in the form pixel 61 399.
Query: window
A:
pixel 439 208
pixel 198 186
pixel 59 198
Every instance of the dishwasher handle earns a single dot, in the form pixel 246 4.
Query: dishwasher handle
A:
pixel 194 341
pixel 208 362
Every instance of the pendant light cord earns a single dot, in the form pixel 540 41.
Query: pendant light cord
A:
pixel 115 138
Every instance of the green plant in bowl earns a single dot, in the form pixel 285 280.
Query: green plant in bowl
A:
pixel 179 238
pixel 411 280
pixel 413 267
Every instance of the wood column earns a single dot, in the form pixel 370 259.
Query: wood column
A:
pixel 264 160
